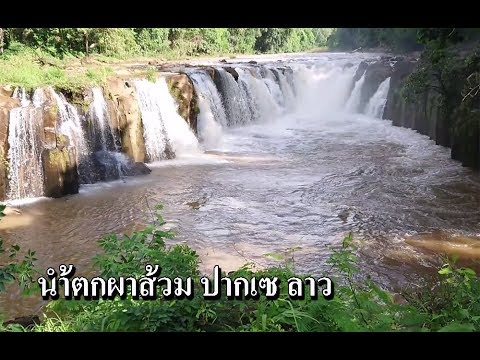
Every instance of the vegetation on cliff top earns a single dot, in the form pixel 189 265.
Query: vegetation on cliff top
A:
pixel 451 305
pixel 76 58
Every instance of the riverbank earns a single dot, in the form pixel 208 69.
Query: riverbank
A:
pixel 294 303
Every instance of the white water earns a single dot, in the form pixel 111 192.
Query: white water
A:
pixel 263 104
pixel 273 86
pixel 163 126
pixel 354 101
pixel 376 105
pixel 99 110
pixel 286 89
pixel 181 137
pixel 212 117
pixel 321 89
pixel 234 100
pixel 71 125
pixel 154 133
pixel 25 147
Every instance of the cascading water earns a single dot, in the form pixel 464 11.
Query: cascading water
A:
pixel 25 147
pixel 106 138
pixel 321 89
pixel 105 162
pixel 272 85
pixel 71 126
pixel 181 137
pixel 354 100
pixel 286 89
pixel 376 105
pixel 165 131
pixel 156 140
pixel 263 105
pixel 212 117
pixel 234 98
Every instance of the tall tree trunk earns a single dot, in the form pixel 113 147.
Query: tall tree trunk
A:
pixel 86 45
pixel 1 40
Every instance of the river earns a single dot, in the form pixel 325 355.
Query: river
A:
pixel 294 184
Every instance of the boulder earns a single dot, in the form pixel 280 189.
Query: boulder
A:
pixel 6 91
pixel 210 71
pixel 25 321
pixel 232 71
pixel 138 168
pixel 60 172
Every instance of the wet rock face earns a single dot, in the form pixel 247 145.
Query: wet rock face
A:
pixel 58 156
pixel 375 74
pixel 6 104
pixel 426 116
pixel 183 92
pixel 360 71
pixel 232 71
pixel 108 166
pixel 423 115
pixel 60 172
pixel 125 114
pixel 137 169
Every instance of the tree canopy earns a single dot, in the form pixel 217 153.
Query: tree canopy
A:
pixel 122 42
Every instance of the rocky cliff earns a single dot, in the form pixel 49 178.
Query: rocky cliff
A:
pixel 425 115
pixel 58 155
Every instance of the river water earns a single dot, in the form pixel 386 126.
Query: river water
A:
pixel 295 184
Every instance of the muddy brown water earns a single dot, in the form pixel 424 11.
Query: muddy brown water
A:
pixel 293 184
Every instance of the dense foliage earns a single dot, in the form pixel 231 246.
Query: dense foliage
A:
pixel 398 39
pixel 449 68
pixel 122 42
pixel 451 305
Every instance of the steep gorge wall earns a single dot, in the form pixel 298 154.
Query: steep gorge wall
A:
pixel 425 115
pixel 6 104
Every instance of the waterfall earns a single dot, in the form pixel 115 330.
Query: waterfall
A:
pixel 353 101
pixel 234 99
pixel 376 104
pixel 156 140
pixel 165 131
pixel 272 85
pixel 71 125
pixel 321 90
pixel 104 136
pixel 181 137
pixel 211 118
pixel 25 135
pixel 105 161
pixel 285 88
pixel 263 105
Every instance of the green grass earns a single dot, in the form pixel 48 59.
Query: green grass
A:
pixel 28 68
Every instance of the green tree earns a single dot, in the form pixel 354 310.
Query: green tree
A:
pixel 2 40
